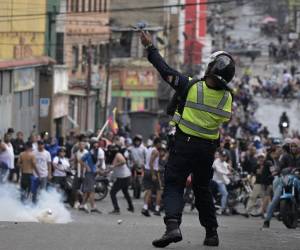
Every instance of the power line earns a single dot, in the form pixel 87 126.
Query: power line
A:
pixel 130 9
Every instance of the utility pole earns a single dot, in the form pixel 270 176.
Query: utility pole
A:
pixel 97 109
pixel 105 113
pixel 89 83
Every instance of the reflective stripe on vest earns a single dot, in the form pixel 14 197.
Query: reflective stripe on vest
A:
pixel 179 120
pixel 201 106
pixel 209 109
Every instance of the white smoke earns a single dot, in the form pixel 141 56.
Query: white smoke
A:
pixel 50 208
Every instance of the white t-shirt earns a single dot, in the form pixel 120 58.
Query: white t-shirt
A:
pixel 101 156
pixel 62 165
pixel 10 150
pixel 79 154
pixel 7 156
pixel 121 171
pixel 42 160
pixel 148 158
pixel 286 78
pixel 221 171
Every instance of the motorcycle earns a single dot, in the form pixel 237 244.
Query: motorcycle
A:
pixel 101 187
pixel 284 127
pixel 289 200
pixel 239 190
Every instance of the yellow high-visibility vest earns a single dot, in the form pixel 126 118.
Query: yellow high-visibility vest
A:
pixel 204 111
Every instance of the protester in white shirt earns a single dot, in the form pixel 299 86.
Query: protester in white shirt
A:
pixel 43 164
pixel 79 172
pixel 221 172
pixel 61 166
pixel 7 158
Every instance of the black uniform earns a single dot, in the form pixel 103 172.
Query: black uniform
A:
pixel 188 155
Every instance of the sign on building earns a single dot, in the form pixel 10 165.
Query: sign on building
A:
pixel 44 107
pixel 24 79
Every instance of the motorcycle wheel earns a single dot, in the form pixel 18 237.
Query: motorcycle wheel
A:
pixel 101 191
pixel 288 212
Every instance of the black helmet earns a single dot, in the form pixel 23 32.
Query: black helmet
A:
pixel 221 67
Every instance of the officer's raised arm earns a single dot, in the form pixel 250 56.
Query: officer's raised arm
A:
pixel 175 79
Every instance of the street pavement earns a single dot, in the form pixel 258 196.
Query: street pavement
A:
pixel 104 232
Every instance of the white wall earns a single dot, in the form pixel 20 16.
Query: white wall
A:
pixel 61 79
pixel 5 103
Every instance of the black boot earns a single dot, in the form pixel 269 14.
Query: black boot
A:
pixel 172 234
pixel 211 238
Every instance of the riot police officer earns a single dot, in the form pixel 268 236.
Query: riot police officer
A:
pixel 201 107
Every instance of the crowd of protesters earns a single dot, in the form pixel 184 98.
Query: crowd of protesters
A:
pixel 284 83
pixel 248 146
pixel 284 50
pixel 42 162
pixel 245 146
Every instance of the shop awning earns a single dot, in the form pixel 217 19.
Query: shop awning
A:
pixel 24 63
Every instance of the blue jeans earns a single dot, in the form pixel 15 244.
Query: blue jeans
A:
pixel 223 191
pixel 277 188
pixel 4 172
pixel 275 201
pixel 36 185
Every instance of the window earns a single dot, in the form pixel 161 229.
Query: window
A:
pixel 20 100
pixel 95 5
pixel 1 83
pixel 95 53
pixel 100 5
pixel 10 82
pixel 122 49
pixel 83 6
pixel 60 48
pixel 77 6
pixel 30 98
pixel 103 53
pixel 73 2
pixel 126 104
pixel 75 58
pixel 84 58
pixel 105 6
pixel 90 5
pixel 149 103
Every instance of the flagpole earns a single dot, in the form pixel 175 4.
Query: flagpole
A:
pixel 102 129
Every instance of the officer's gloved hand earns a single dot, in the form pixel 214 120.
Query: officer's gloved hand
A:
pixel 146 39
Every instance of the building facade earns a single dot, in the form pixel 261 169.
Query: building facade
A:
pixel 195 34
pixel 82 39
pixel 22 28
pixel 135 82
pixel 22 61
